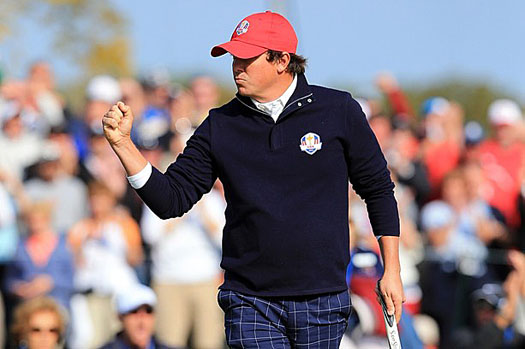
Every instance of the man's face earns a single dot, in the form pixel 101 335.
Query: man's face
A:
pixel 48 170
pixel 101 203
pixel 254 76
pixel 139 325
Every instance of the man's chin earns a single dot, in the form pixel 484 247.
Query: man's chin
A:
pixel 242 91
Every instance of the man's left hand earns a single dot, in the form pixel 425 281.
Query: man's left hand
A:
pixel 391 287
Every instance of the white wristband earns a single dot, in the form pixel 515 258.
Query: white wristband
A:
pixel 138 180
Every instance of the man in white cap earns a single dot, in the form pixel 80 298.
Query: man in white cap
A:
pixel 136 309
pixel 503 158
pixel 284 150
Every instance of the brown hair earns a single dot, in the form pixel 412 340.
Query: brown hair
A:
pixel 43 207
pixel 22 315
pixel 97 187
pixel 297 63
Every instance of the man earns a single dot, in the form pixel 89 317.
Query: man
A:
pixel 284 151
pixel 502 158
pixel 20 148
pixel 50 185
pixel 187 312
pixel 136 308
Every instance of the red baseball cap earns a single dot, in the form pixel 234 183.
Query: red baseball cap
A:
pixel 258 33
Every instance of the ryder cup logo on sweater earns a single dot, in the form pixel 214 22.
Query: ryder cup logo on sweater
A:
pixel 310 143
pixel 243 27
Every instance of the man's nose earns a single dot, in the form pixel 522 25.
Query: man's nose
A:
pixel 238 66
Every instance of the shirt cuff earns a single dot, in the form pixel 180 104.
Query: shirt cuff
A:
pixel 138 180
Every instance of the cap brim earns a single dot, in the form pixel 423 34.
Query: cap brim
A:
pixel 238 49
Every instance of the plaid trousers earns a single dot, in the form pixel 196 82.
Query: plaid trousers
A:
pixel 284 322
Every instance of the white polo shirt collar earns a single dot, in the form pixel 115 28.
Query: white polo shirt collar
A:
pixel 274 108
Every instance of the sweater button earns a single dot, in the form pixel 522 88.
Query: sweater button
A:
pixel 309 100
pixel 299 104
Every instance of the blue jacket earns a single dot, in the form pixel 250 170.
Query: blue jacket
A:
pixel 60 268
pixel 118 342
pixel 286 231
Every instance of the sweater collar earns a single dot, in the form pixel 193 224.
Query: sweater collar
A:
pixel 301 97
pixel 275 107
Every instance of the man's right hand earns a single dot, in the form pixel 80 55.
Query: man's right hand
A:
pixel 117 124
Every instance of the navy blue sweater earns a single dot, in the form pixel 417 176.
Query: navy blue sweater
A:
pixel 286 231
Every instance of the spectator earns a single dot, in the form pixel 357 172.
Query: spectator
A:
pixel 133 94
pixel 154 121
pixel 46 105
pixel 503 158
pixel 438 271
pixel 157 87
pixel 482 219
pixel 19 147
pixel 495 309
pixel 97 160
pixel 365 269
pixel 464 234
pixel 106 246
pixel 64 142
pixel 101 92
pixel 187 296
pixel 389 86
pixel 13 202
pixel 403 160
pixel 181 110
pixel 43 264
pixel 39 324
pixel 206 95
pixel 382 128
pixel 474 134
pixel 442 140
pixel 136 308
pixel 51 185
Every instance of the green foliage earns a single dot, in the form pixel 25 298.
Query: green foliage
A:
pixel 474 97
pixel 90 34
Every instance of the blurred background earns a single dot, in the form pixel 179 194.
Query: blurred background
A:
pixel 471 47
pixel 442 85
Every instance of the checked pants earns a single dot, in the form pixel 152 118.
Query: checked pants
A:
pixel 285 322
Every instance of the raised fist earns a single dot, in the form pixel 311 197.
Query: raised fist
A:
pixel 117 123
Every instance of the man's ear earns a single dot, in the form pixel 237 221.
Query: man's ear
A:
pixel 282 62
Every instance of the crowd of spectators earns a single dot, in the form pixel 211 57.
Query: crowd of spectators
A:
pixel 77 246
pixel 461 202
pixel 72 229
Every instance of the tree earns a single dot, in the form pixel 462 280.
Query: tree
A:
pixel 89 34
pixel 474 97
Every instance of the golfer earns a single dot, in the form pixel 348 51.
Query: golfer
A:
pixel 284 151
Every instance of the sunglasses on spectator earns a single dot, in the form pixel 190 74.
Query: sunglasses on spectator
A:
pixel 145 308
pixel 53 330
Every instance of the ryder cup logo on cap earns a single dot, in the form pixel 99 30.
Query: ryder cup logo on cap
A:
pixel 243 27
pixel 310 143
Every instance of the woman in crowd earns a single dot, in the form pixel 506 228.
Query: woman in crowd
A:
pixel 106 247
pixel 38 323
pixel 43 264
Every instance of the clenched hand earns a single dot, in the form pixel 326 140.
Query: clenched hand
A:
pixel 117 124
